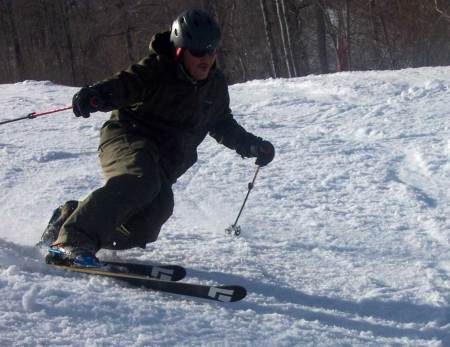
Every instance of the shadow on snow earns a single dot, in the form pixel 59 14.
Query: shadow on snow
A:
pixel 297 305
pixel 391 311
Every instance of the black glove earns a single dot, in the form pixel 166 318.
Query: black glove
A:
pixel 87 100
pixel 264 153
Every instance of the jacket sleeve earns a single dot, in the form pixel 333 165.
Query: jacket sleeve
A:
pixel 228 132
pixel 131 85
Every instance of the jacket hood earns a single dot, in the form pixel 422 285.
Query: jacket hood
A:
pixel 160 44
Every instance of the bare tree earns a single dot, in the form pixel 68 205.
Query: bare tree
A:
pixel 337 21
pixel 267 31
pixel 321 39
pixel 79 42
pixel 285 38
pixel 439 9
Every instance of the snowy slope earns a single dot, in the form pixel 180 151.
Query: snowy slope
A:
pixel 346 236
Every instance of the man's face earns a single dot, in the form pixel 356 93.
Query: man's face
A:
pixel 198 64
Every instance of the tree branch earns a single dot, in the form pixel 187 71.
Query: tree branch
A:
pixel 442 13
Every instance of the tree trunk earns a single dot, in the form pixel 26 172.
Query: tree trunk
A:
pixel 268 38
pixel 18 59
pixel 348 35
pixel 283 39
pixel 321 39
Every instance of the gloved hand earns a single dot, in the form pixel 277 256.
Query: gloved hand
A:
pixel 87 100
pixel 264 153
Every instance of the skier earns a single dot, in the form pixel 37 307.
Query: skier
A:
pixel 162 109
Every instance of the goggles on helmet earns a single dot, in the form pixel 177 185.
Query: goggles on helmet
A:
pixel 200 53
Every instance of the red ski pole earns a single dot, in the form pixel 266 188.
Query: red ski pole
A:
pixel 33 115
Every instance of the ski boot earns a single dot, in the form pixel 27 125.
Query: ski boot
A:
pixel 72 256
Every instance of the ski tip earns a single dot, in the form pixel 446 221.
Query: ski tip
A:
pixel 239 293
pixel 181 273
pixel 227 293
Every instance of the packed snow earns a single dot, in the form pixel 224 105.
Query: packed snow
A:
pixel 345 237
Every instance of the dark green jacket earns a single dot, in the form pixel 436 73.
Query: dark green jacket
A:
pixel 157 99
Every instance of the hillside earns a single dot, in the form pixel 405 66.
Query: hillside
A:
pixel 345 237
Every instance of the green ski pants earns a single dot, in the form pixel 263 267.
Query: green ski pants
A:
pixel 129 210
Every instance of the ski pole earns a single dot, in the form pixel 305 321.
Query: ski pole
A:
pixel 33 115
pixel 234 227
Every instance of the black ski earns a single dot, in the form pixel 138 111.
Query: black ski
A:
pixel 228 293
pixel 162 272
pixel 216 293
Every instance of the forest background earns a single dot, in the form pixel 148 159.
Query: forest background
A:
pixel 78 42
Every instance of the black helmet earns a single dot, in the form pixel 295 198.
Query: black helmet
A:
pixel 196 30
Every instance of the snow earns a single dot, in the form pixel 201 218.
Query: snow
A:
pixel 345 237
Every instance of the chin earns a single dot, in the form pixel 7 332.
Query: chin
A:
pixel 202 76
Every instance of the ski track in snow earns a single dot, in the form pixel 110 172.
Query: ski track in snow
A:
pixel 345 236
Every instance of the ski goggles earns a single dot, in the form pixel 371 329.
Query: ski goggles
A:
pixel 200 53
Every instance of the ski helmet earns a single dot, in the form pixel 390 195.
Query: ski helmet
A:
pixel 195 29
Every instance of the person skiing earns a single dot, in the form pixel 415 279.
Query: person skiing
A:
pixel 162 109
